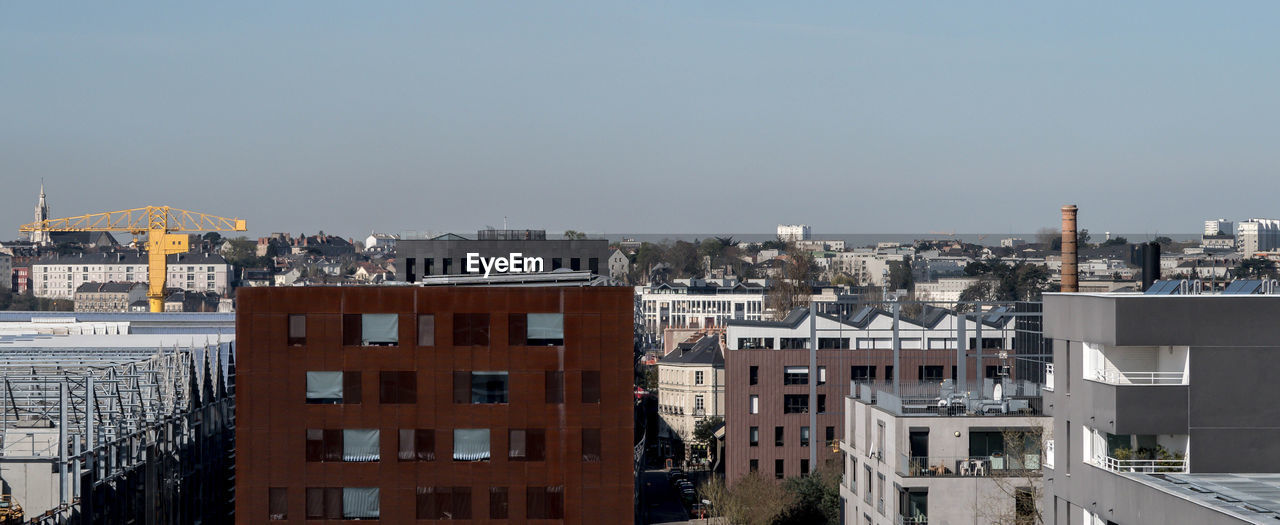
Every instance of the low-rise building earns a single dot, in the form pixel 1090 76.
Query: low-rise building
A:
pixel 691 387
pixel 108 297
pixel 700 303
pixel 944 289
pixel 794 232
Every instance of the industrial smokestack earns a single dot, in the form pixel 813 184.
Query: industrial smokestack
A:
pixel 1070 276
pixel 1150 264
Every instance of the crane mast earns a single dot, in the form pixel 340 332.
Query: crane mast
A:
pixel 159 223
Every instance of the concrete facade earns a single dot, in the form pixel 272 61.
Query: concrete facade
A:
pixel 1191 375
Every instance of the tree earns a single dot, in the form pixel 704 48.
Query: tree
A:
pixel 1018 489
pixel 751 500
pixel 815 497
pixel 900 276
pixel 1116 241
pixel 1256 267
pixel 1165 241
pixel 704 431
pixel 574 234
pixel 212 237
pixel 792 290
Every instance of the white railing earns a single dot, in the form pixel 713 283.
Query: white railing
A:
pixel 1117 377
pixel 917 520
pixel 1048 376
pixel 1145 466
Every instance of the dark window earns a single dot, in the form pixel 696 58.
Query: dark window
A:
pixel 397 387
pixel 480 388
pixel 324 503
pixel 428 266
pixel 777 436
pixel 795 404
pixel 410 270
pixel 930 373
pixel 591 444
pixel 777 468
pixel 575 264
pixel 297 330
pixel 498 501
pixel 755 465
pixel 324 445
pixel 277 503
pixel 748 343
pixel 795 375
pixel 862 374
pixel 755 375
pixel 461 387
pixel 755 436
pixel 804 467
pixel 426 330
pixel 351 329
pixel 351 387
pixel 471 329
pixel 527 444
pixel 992 372
pixel 953 372
pixel 554 386
pixel 417 444
pixel 822 403
pixel 793 343
pixel 593 265
pixel 888 373
pixel 590 386
pixel 444 503
pixel 517 329
pixel 556 263
pixel 448 266
pixel 543 503
pixel 831 436
pixel 833 343
pixel 804 436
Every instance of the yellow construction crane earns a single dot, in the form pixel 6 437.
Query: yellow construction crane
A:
pixel 159 224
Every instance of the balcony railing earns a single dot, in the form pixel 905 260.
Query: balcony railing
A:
pixel 916 520
pixel 1143 466
pixel 1118 377
pixel 968 466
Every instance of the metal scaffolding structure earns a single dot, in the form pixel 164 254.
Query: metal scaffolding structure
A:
pixel 131 435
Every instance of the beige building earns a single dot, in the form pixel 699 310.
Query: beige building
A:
pixel 691 385
pixel 58 277
pixel 944 289
pixel 109 297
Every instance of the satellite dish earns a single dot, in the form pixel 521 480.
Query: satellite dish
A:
pixel 998 392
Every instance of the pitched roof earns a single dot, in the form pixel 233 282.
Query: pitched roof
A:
pixel 705 351
pixel 111 287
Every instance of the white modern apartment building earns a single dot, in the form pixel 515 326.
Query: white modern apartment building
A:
pixel 1218 227
pixel 944 289
pixel 909 461
pixel 691 386
pixel 700 303
pixel 1258 235
pixel 794 232
pixel 58 277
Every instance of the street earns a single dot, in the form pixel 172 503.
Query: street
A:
pixel 662 502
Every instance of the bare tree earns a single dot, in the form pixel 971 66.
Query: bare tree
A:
pixel 751 500
pixel 792 290
pixel 1017 497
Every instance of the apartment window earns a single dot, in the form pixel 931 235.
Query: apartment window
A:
pixel 471 329
pixel 793 343
pixel 426 330
pixel 698 403
pixel 880 440
pixel 397 387
pixel 804 436
pixel 575 264
pixel 498 503
pixel 804 467
pixel 535 329
pixel 749 343
pixel 777 436
pixel 277 503
pixel 590 386
pixel 755 404
pixel 480 388
pixel 297 329
pixel 544 503
pixel 755 436
pixel 554 386
pixel 444 503
pixel 591 448
pixel 755 465
pixel 324 445
pixel 447 264
pixel 795 375
pixel 471 444
pixel 867 470
pixel 697 377
pixel 417 445
pixel 333 387
pixel 795 404
pixel 593 265
pixel 527 444
pixel 822 375
pixel 833 343
pixel 831 436
pixel 556 263
pixel 324 503
pixel 755 375
pixel 778 468
pixel 361 445
pixel 370 329
pixel 880 493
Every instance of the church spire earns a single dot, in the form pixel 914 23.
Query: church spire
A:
pixel 42 214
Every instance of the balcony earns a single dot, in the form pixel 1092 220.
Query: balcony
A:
pixel 917 520
pixel 1118 377
pixel 1143 466
pixel 1136 365
pixel 968 466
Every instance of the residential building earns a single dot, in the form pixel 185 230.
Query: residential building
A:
pixel 21 281
pixel 498 251
pixel 108 297
pixel 794 232
pixel 381 242
pixel 57 277
pixel 403 403
pixel 691 386
pixel 938 457
pixel 1218 227
pixel 8 280
pixel 1220 243
pixel 1258 235
pixel 1012 242
pixel 767 364
pixel 944 289
pixel 1163 407
pixel 816 245
pixel 619 264
pixel 700 303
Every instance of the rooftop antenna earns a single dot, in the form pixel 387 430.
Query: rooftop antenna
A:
pixel 504 222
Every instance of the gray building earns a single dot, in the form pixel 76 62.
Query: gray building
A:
pixel 498 252
pixel 1164 409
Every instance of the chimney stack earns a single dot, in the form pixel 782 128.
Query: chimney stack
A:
pixel 1070 274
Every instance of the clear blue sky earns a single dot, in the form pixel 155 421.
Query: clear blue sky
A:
pixel 645 116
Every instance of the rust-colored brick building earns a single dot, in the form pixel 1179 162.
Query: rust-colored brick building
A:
pixel 409 404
